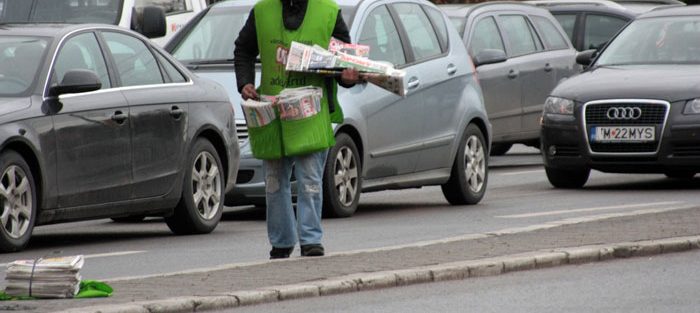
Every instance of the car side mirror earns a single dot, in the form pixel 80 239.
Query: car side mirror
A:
pixel 585 58
pixel 76 81
pixel 489 56
pixel 150 23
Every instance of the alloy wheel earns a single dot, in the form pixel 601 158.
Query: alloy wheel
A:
pixel 206 185
pixel 16 201
pixel 475 163
pixel 345 170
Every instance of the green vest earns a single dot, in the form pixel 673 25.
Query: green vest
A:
pixel 274 42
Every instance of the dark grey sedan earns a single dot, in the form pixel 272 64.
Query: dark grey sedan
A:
pixel 96 122
pixel 637 107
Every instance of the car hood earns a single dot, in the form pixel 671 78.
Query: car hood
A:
pixel 662 82
pixel 227 79
pixel 9 105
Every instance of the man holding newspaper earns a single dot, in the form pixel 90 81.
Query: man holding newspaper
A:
pixel 269 31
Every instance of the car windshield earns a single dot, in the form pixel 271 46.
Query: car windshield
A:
pixel 70 11
pixel 662 40
pixel 203 42
pixel 20 60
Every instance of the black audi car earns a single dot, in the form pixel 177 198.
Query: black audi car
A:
pixel 98 122
pixel 635 109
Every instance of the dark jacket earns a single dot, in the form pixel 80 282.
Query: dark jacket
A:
pixel 246 51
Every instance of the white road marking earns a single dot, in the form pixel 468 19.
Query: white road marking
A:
pixel 521 172
pixel 99 255
pixel 626 206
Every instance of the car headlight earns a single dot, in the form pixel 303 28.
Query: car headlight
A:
pixel 692 107
pixel 556 105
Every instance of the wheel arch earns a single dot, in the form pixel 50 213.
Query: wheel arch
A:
pixel 484 130
pixel 356 137
pixel 30 155
pixel 219 144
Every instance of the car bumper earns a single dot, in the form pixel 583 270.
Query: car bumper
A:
pixel 565 144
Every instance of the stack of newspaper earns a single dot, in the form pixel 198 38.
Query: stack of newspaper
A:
pixel 304 58
pixel 258 113
pixel 57 277
pixel 298 103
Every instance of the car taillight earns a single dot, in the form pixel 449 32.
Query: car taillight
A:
pixel 233 109
pixel 474 69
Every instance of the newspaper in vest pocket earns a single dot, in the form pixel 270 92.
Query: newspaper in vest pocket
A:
pixel 258 113
pixel 298 103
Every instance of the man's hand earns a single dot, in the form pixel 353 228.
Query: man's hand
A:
pixel 350 76
pixel 249 92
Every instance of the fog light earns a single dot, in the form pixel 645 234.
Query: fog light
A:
pixel 552 150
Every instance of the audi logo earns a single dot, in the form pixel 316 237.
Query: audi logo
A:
pixel 624 113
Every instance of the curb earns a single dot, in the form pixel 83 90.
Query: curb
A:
pixel 393 278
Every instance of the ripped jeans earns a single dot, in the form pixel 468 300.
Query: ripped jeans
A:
pixel 283 229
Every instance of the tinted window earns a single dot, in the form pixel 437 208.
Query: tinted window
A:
pixel 552 38
pixel 421 34
pixel 439 21
pixel 135 63
pixel 71 11
pixel 519 34
pixel 81 52
pixel 486 36
pixel 379 32
pixel 203 41
pixel 567 22
pixel 173 72
pixel 170 6
pixel 599 29
pixel 20 59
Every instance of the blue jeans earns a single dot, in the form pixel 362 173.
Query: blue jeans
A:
pixel 283 229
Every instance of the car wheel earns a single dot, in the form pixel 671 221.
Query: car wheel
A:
pixel 129 219
pixel 560 178
pixel 202 200
pixel 500 148
pixel 342 180
pixel 17 201
pixel 467 183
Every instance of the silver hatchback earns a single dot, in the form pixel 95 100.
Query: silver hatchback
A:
pixel 439 134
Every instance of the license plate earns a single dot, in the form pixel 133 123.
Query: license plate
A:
pixel 623 133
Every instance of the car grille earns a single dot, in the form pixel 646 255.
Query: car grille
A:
pixel 653 113
pixel 242 131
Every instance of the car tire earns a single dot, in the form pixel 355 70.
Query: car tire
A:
pixel 500 148
pixel 469 176
pixel 342 178
pixel 17 202
pixel 561 178
pixel 202 201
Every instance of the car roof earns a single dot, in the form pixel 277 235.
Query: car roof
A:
pixel 672 10
pixel 463 10
pixel 621 11
pixel 49 29
pixel 590 3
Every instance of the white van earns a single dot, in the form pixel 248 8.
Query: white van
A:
pixel 156 19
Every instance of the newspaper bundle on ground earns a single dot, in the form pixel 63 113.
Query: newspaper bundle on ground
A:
pixel 57 277
pixel 258 113
pixel 298 103
pixel 304 58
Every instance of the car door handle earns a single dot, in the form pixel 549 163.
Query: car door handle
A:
pixel 413 83
pixel 451 69
pixel 513 74
pixel 119 117
pixel 547 67
pixel 176 112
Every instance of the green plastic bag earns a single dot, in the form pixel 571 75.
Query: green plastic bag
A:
pixel 94 289
pixel 306 135
pixel 266 141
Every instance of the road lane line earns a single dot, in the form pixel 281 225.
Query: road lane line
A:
pixel 98 255
pixel 521 172
pixel 626 206
pixel 507 231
